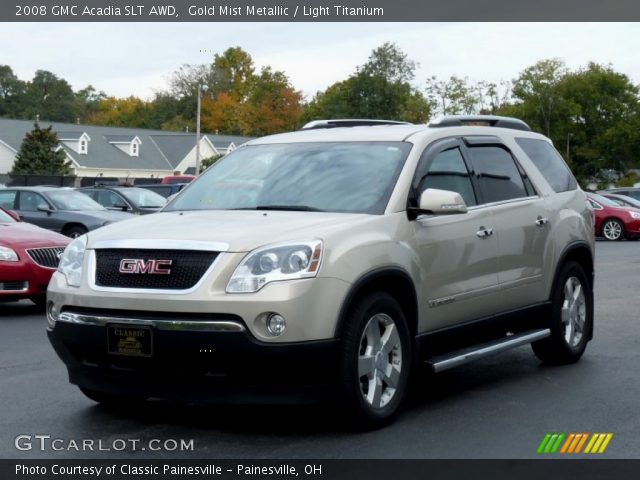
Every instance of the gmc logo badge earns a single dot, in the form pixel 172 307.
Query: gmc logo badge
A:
pixel 138 265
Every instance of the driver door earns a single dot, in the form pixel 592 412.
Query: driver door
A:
pixel 457 253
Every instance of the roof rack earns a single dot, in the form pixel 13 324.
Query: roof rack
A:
pixel 480 120
pixel 349 122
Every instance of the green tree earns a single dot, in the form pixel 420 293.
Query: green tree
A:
pixel 50 97
pixel 602 130
pixel 88 101
pixel 39 154
pixel 454 96
pixel 538 100
pixel 380 88
pixel 11 92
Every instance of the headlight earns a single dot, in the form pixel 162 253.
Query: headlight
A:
pixel 71 262
pixel 273 263
pixel 8 255
pixel 635 215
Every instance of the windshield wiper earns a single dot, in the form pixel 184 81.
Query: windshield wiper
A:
pixel 295 208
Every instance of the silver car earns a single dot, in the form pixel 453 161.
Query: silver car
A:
pixel 327 262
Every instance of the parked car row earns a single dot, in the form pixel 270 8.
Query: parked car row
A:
pixel 28 257
pixel 36 223
pixel 61 210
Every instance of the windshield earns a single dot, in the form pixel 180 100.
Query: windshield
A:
pixel 353 177
pixel 72 200
pixel 143 198
pixel 5 217
pixel 604 201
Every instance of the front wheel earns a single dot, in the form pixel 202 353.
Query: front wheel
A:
pixel 572 318
pixel 376 359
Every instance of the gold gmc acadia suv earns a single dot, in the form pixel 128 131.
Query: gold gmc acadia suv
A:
pixel 325 263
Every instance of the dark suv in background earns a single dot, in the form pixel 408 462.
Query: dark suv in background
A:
pixel 139 201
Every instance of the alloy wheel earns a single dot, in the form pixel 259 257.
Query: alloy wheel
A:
pixel 379 360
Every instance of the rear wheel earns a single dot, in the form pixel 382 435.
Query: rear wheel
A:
pixel 376 359
pixel 572 318
pixel 612 229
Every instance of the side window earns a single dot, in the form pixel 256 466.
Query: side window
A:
pixel 92 194
pixel 550 163
pixel 7 200
pixel 594 205
pixel 109 199
pixel 30 201
pixel 498 175
pixel 449 172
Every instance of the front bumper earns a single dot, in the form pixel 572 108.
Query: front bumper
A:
pixel 34 277
pixel 194 359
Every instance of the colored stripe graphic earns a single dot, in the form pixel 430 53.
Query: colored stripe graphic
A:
pixel 598 443
pixel 551 442
pixel 573 443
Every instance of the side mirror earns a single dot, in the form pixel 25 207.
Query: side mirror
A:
pixel 44 208
pixel 13 214
pixel 440 202
pixel 121 206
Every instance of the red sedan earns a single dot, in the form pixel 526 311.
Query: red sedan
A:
pixel 614 222
pixel 28 257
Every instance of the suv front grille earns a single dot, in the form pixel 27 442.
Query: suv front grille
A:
pixel 185 269
pixel 46 257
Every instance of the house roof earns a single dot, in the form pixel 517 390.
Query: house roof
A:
pixel 160 150
pixel 70 135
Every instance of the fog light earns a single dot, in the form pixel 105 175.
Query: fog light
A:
pixel 276 324
pixel 52 315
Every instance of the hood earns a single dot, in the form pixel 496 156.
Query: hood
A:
pixel 25 235
pixel 98 215
pixel 242 230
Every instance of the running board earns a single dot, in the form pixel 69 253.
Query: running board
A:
pixel 460 357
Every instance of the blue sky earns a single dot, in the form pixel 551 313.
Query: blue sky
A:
pixel 137 58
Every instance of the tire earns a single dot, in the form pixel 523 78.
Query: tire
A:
pixel 375 361
pixel 571 322
pixel 613 230
pixel 75 231
pixel 109 399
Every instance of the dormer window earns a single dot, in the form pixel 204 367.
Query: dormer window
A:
pixel 127 143
pixel 76 141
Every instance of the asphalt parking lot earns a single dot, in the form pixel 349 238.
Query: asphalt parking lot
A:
pixel 500 407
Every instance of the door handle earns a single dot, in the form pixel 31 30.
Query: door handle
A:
pixel 542 221
pixel 484 232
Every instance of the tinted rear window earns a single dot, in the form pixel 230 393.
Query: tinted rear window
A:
pixel 550 164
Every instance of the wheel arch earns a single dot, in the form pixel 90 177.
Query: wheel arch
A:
pixel 68 226
pixel 393 280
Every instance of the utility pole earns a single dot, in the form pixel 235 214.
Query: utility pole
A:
pixel 201 90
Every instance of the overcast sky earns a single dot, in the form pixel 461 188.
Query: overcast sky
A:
pixel 136 59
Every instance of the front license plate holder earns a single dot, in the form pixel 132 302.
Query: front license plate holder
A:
pixel 130 340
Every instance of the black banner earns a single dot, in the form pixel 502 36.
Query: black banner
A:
pixel 321 469
pixel 317 10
